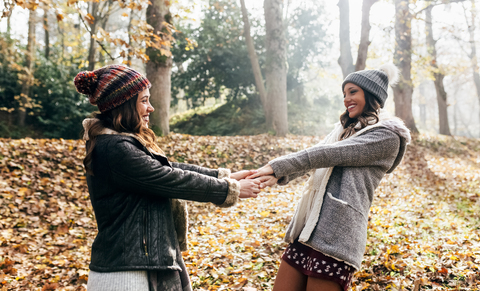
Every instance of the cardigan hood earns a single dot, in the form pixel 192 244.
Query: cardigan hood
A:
pixel 398 126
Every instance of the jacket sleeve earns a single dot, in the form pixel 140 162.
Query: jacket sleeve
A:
pixel 284 180
pixel 217 173
pixel 377 147
pixel 134 170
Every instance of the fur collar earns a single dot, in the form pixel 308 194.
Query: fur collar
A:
pixel 89 122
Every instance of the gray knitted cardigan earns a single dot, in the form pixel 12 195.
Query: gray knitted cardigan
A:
pixel 359 165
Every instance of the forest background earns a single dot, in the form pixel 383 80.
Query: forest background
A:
pixel 201 55
pixel 237 83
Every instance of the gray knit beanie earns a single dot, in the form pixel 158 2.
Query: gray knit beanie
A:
pixel 374 81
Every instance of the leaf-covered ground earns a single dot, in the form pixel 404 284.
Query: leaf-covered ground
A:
pixel 423 226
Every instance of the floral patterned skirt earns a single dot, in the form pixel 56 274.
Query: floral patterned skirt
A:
pixel 315 264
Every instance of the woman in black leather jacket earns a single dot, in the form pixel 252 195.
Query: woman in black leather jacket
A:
pixel 134 189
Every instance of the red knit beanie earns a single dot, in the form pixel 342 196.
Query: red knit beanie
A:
pixel 110 86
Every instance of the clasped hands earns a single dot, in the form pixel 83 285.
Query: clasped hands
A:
pixel 252 181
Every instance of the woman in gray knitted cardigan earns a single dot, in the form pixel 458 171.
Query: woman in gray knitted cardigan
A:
pixel 328 232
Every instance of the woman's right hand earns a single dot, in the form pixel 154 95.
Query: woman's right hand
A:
pixel 263 171
pixel 249 188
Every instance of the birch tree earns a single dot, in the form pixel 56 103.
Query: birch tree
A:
pixel 403 91
pixel 276 69
pixel 473 48
pixel 159 67
pixel 346 60
pixel 257 73
pixel 27 75
pixel 438 75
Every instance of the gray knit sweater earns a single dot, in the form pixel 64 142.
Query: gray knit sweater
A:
pixel 359 165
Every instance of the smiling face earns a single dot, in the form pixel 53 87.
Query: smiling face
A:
pixel 354 100
pixel 144 108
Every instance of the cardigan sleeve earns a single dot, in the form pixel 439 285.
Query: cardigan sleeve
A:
pixel 284 180
pixel 377 147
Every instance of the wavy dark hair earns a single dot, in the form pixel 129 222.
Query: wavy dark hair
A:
pixel 371 110
pixel 124 118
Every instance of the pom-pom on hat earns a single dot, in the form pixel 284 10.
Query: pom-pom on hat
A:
pixel 110 86
pixel 374 81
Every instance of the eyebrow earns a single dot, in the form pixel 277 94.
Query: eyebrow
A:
pixel 349 88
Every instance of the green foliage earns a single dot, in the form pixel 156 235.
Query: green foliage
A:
pixel 219 62
pixel 309 117
pixel 245 117
pixel 220 66
pixel 63 108
pixel 306 38
pixel 9 85
pixel 12 131
pixel 237 117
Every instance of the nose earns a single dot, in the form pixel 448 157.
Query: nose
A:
pixel 150 108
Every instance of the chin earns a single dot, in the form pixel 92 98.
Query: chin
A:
pixel 353 116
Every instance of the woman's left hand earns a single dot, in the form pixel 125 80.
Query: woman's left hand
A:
pixel 268 180
pixel 263 171
pixel 242 174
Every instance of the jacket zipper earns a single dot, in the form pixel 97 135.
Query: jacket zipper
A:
pixel 145 232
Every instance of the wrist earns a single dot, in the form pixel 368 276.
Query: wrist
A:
pixel 224 173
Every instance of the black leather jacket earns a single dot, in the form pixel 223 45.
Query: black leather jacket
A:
pixel 130 192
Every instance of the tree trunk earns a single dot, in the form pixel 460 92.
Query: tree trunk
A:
pixel 45 27
pixel 402 92
pixel 93 31
pixel 473 54
pixel 345 60
pixel 257 73
pixel 276 69
pixel 455 123
pixel 28 77
pixel 62 37
pixel 101 56
pixel 365 35
pixel 9 26
pixel 159 70
pixel 129 32
pixel 437 74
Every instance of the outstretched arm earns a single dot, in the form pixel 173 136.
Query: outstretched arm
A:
pixel 375 148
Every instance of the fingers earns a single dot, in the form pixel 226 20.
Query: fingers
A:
pixel 263 178
pixel 267 181
pixel 265 170
pixel 256 175
pixel 242 174
pixel 249 188
pixel 261 172
pixel 256 187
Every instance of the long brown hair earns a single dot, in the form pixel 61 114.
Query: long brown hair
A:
pixel 371 110
pixel 124 118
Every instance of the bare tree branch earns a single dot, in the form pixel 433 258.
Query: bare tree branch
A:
pixel 91 35
pixel 437 4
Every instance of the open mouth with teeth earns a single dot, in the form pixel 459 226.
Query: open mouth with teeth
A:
pixel 351 107
pixel 146 118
